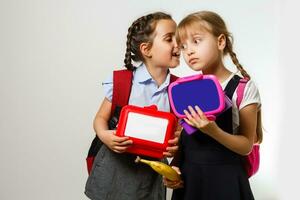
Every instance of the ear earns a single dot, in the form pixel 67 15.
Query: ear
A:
pixel 221 42
pixel 145 49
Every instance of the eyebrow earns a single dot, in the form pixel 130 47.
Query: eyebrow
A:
pixel 197 34
pixel 169 34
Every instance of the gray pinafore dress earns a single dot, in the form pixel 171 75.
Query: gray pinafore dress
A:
pixel 117 177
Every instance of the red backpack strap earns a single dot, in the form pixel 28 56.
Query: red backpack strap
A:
pixel 173 78
pixel 122 81
pixel 240 91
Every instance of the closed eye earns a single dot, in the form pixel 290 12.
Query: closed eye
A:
pixel 169 39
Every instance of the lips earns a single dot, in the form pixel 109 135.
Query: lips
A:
pixel 193 61
pixel 176 54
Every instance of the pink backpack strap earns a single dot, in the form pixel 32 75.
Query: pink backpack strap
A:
pixel 240 91
pixel 252 160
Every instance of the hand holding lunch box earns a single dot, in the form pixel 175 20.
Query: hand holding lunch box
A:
pixel 199 90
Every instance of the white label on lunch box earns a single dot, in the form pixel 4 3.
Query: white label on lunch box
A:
pixel 146 127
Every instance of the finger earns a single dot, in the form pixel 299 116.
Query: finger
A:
pixel 174 184
pixel 178 127
pixel 188 121
pixel 167 154
pixel 192 111
pixel 194 121
pixel 200 112
pixel 179 184
pixel 173 141
pixel 168 184
pixel 165 181
pixel 168 181
pixel 117 151
pixel 120 149
pixel 187 114
pixel 176 169
pixel 120 139
pixel 172 149
pixel 126 143
pixel 177 134
pixel 112 132
pixel 195 115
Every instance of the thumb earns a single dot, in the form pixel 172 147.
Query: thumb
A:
pixel 177 170
pixel 112 132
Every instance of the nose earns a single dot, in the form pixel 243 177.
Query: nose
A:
pixel 189 51
pixel 175 43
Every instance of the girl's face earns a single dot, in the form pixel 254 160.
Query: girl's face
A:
pixel 200 49
pixel 164 50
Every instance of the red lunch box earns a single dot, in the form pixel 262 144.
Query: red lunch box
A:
pixel 148 128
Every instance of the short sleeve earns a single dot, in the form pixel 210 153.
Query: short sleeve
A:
pixel 108 87
pixel 251 95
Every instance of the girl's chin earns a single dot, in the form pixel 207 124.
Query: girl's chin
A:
pixel 174 64
pixel 196 68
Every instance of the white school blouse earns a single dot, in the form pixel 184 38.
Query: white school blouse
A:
pixel 144 91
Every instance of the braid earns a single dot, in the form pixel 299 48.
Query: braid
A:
pixel 228 49
pixel 127 59
pixel 141 31
pixel 132 51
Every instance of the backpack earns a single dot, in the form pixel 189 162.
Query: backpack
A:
pixel 122 82
pixel 251 161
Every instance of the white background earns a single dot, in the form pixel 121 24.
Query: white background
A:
pixel 55 53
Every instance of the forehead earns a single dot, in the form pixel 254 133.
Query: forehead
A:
pixel 189 30
pixel 165 26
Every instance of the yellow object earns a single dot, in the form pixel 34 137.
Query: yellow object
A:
pixel 161 168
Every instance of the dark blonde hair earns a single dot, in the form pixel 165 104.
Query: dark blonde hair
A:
pixel 213 23
pixel 139 32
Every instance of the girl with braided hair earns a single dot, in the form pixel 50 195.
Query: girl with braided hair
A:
pixel 211 160
pixel 114 175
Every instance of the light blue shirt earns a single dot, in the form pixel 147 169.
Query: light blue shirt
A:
pixel 144 91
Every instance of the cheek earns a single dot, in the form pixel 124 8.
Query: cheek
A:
pixel 209 51
pixel 185 57
pixel 164 52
